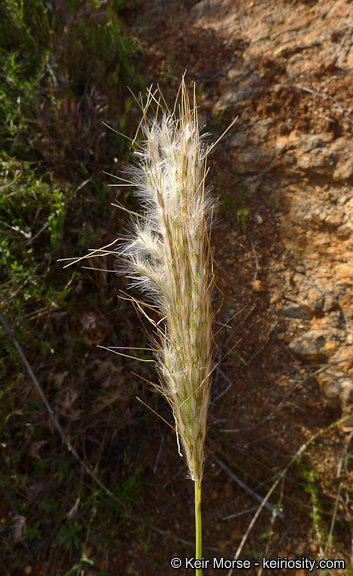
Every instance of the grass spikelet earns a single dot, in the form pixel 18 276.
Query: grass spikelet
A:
pixel 168 258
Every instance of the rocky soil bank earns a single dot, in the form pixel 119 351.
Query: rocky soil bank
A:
pixel 283 244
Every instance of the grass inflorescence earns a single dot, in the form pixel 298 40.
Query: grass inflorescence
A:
pixel 168 258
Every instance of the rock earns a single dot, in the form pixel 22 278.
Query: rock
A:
pixel 317 152
pixel 253 160
pixel 344 358
pixel 297 310
pixel 276 296
pixel 330 389
pixel 289 78
pixel 344 274
pixel 309 142
pixel 316 345
pixel 259 286
pixel 320 160
pixel 344 170
pixel 336 389
pixel 343 148
pixel 346 396
pixel 320 297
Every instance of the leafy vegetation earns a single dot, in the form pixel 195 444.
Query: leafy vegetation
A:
pixel 64 68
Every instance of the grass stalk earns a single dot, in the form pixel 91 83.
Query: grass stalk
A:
pixel 198 525
pixel 168 258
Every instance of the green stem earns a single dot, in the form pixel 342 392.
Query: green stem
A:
pixel 198 525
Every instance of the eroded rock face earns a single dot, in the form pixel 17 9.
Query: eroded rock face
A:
pixel 290 81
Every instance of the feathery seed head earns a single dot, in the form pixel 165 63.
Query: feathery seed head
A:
pixel 169 259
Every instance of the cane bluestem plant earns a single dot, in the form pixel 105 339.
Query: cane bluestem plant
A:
pixel 169 259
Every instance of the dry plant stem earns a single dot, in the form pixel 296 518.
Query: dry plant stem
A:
pixel 280 478
pixel 250 491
